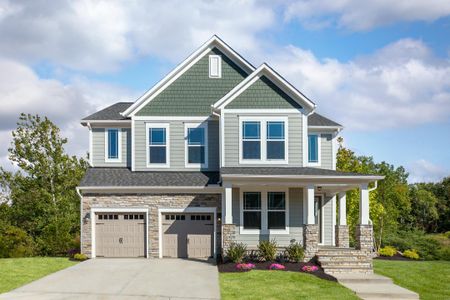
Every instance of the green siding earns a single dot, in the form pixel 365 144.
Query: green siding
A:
pixel 193 92
pixel 263 94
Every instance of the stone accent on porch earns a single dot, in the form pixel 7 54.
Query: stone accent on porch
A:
pixel 342 236
pixel 364 237
pixel 311 240
pixel 228 236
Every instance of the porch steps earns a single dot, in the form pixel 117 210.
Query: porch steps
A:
pixel 344 260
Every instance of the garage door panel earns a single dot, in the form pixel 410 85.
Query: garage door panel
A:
pixel 199 245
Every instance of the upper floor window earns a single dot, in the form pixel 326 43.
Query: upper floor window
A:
pixel 215 66
pixel 313 148
pixel 275 140
pixel 113 145
pixel 196 145
pixel 158 145
pixel 251 140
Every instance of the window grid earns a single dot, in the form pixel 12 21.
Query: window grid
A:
pixel 248 209
pixel 248 138
pixel 275 139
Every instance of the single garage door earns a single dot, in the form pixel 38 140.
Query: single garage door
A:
pixel 188 235
pixel 120 234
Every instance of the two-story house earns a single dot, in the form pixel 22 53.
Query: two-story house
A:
pixel 217 152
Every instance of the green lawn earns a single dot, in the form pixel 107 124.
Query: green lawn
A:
pixel 280 285
pixel 15 272
pixel 431 279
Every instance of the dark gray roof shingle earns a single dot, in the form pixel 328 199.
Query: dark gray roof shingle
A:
pixel 318 120
pixel 285 171
pixel 111 112
pixel 122 177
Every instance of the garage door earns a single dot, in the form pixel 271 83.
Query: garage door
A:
pixel 188 235
pixel 120 234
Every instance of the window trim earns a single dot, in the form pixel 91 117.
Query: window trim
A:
pixel 260 210
pixel 147 144
pixel 119 145
pixel 263 125
pixel 203 125
pixel 319 148
pixel 276 210
pixel 264 210
pixel 219 66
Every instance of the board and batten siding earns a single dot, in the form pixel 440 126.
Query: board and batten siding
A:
pixel 177 146
pixel 232 143
pixel 98 148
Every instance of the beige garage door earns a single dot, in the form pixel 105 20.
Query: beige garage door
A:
pixel 120 234
pixel 188 235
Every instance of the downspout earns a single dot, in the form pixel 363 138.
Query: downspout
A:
pixel 81 217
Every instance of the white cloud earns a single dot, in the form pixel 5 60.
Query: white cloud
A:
pixel 399 85
pixel 364 15
pixel 425 171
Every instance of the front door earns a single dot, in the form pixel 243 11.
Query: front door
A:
pixel 318 215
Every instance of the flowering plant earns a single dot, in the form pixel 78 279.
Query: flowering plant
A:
pixel 276 267
pixel 245 267
pixel 310 268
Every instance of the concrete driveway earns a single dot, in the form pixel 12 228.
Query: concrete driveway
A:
pixel 126 279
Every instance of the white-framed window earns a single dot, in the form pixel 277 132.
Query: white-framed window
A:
pixel 314 155
pixel 264 210
pixel 158 141
pixel 263 140
pixel 196 145
pixel 215 66
pixel 113 145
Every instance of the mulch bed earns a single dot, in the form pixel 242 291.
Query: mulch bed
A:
pixel 397 256
pixel 230 267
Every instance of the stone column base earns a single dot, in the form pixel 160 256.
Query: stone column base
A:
pixel 310 240
pixel 364 237
pixel 228 237
pixel 342 236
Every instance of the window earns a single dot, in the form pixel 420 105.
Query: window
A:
pixel 252 210
pixel 276 210
pixel 196 145
pixel 275 140
pixel 251 140
pixel 313 148
pixel 215 66
pixel 158 145
pixel 113 145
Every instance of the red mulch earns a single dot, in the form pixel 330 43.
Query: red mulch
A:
pixel 292 267
pixel 397 256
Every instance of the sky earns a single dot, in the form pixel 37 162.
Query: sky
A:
pixel 380 68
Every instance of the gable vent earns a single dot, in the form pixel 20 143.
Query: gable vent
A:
pixel 215 66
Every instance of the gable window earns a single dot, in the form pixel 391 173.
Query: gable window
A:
pixel 113 144
pixel 157 148
pixel 215 66
pixel 196 145
pixel 252 210
pixel 313 149
pixel 276 210
pixel 251 140
pixel 275 140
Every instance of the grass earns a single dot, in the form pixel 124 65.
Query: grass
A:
pixel 431 279
pixel 280 285
pixel 15 272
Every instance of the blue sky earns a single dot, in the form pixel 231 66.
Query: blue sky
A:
pixel 381 69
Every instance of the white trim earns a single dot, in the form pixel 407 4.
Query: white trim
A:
pixel 95 210
pixel 334 150
pixel 261 111
pixel 332 128
pixel 367 178
pixel 91 148
pixel 186 210
pixel 92 122
pixel 264 209
pixel 227 206
pixel 172 118
pixel 119 141
pixel 133 139
pixel 322 226
pixel 222 140
pixel 219 66
pixel 213 42
pixel 166 126
pixel 203 125
pixel 263 139
pixel 319 150
pixel 305 140
pixel 333 220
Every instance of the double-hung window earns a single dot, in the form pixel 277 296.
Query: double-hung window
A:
pixel 158 145
pixel 252 210
pixel 313 149
pixel 113 145
pixel 196 145
pixel 251 140
pixel 276 210
pixel 275 140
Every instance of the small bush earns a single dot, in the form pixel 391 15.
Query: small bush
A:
pixel 444 253
pixel 388 251
pixel 236 252
pixel 447 234
pixel 427 247
pixel 412 254
pixel 80 256
pixel 295 252
pixel 245 267
pixel 15 242
pixel 268 250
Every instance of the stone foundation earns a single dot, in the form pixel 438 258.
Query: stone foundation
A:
pixel 342 236
pixel 310 240
pixel 228 237
pixel 151 201
pixel 364 237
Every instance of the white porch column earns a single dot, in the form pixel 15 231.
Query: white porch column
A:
pixel 308 205
pixel 364 204
pixel 342 197
pixel 228 204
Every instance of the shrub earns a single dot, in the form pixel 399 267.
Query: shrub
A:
pixel 388 251
pixel 268 250
pixel 80 256
pixel 295 252
pixel 447 234
pixel 245 267
pixel 310 269
pixel 276 267
pixel 427 247
pixel 15 242
pixel 444 253
pixel 412 254
pixel 236 252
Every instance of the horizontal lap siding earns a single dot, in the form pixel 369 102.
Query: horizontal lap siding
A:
pixel 326 151
pixel 98 148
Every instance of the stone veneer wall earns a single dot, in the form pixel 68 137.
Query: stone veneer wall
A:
pixel 310 240
pixel 342 236
pixel 364 237
pixel 228 236
pixel 151 201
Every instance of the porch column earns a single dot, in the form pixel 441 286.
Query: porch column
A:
pixel 228 228
pixel 310 229
pixel 228 204
pixel 364 231
pixel 342 235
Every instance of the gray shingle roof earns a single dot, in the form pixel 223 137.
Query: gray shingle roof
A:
pixel 318 120
pixel 285 171
pixel 111 112
pixel 122 177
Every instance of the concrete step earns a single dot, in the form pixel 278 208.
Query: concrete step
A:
pixel 352 264
pixel 339 252
pixel 332 270
pixel 360 278
pixel 337 258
